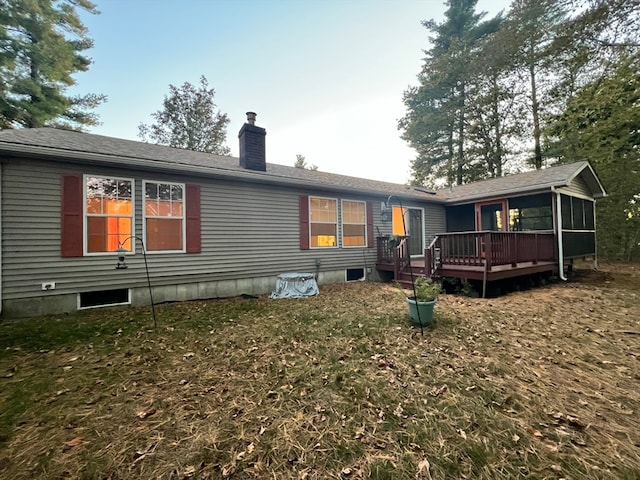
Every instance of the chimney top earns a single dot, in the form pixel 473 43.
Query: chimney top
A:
pixel 252 148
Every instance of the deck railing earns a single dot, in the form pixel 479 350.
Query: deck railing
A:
pixel 395 250
pixel 490 249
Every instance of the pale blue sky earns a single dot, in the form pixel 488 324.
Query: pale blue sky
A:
pixel 326 78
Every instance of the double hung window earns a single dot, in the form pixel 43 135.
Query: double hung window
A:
pixel 323 222
pixel 108 210
pixel 164 216
pixel 354 224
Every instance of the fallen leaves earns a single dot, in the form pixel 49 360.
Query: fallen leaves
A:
pixel 321 388
pixel 437 391
pixel 146 413
pixel 74 442
pixel 250 448
pixel 423 469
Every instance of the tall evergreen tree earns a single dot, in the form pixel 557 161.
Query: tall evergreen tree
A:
pixel 189 119
pixel 607 25
pixel 602 123
pixel 493 117
pixel 435 124
pixel 41 45
pixel 533 26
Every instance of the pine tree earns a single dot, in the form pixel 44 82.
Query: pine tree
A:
pixel 435 124
pixel 301 162
pixel 602 123
pixel 534 26
pixel 41 45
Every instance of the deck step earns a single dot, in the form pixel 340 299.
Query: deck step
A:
pixel 405 279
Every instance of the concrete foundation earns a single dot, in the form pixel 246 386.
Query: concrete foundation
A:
pixel 64 303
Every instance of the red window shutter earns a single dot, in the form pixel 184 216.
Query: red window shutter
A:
pixel 304 222
pixel 71 216
pixel 370 242
pixel 194 244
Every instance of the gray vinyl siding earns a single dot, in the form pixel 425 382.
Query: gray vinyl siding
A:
pixel 577 187
pixel 435 220
pixel 247 230
pixel 31 228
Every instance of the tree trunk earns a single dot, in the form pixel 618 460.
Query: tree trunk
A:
pixel 497 162
pixel 450 160
pixel 535 107
pixel 460 160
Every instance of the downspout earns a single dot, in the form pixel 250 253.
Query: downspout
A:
pixel 559 230
pixel 595 236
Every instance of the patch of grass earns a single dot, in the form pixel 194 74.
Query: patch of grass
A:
pixel 382 470
pixel 13 407
pixel 53 332
pixel 335 386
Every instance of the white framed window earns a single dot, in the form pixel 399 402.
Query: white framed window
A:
pixel 108 213
pixel 354 223
pixel 163 212
pixel 323 222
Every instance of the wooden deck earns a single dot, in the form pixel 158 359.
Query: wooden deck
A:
pixel 498 272
pixel 485 256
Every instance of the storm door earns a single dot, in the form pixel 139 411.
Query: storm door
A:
pixel 416 238
pixel 409 222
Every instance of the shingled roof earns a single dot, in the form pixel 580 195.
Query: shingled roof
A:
pixel 525 183
pixel 65 145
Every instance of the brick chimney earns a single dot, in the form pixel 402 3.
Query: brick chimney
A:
pixel 252 151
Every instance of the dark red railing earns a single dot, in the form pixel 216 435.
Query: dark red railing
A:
pixel 489 249
pixel 394 250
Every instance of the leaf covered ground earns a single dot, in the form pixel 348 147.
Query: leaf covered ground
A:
pixel 542 383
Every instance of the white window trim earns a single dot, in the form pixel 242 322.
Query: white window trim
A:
pixel 85 250
pixel 183 218
pixel 337 245
pixel 343 223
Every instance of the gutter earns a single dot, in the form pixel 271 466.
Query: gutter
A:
pixel 559 230
pixel 497 195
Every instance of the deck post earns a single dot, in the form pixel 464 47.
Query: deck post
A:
pixel 488 250
pixel 427 261
pixel 484 281
pixel 396 263
pixel 488 253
